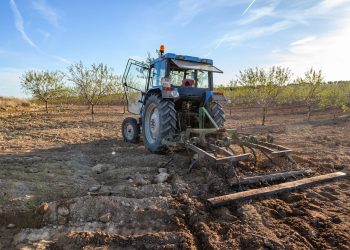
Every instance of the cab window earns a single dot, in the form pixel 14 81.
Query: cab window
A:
pixel 201 77
pixel 158 72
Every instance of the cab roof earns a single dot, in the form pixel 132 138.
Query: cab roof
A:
pixel 183 57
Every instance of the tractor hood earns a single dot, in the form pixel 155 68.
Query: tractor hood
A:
pixel 196 66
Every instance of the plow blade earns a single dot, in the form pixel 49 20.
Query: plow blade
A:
pixel 274 189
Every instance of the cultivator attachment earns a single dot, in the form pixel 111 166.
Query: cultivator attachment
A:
pixel 221 146
pixel 215 144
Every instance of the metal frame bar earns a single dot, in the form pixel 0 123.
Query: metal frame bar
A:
pixel 270 148
pixel 274 189
pixel 202 114
pixel 269 177
pixel 230 158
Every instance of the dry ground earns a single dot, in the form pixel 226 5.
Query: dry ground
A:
pixel 48 164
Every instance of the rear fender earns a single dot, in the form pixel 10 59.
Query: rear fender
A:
pixel 214 96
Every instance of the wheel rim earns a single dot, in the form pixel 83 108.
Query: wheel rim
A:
pixel 129 131
pixel 152 123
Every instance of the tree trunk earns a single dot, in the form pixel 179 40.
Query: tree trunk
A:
pixel 92 111
pixel 309 112
pixel 264 116
pixel 47 111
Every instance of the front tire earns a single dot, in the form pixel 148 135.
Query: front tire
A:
pixel 131 130
pixel 158 122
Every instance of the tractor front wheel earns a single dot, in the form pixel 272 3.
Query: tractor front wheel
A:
pixel 158 122
pixel 131 130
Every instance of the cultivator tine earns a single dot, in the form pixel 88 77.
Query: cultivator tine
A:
pixel 194 160
pixel 237 178
pixel 268 157
pixel 255 159
pixel 167 163
pixel 290 158
pixel 269 150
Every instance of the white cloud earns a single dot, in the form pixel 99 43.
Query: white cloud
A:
pixel 20 24
pixel 322 10
pixel 326 5
pixel 329 51
pixel 189 9
pixel 283 19
pixel 250 33
pixel 62 59
pixel 47 12
pixel 46 35
pixel 303 40
pixel 257 13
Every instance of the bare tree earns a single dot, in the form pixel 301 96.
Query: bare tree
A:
pixel 118 90
pixel 43 85
pixel 334 95
pixel 310 88
pixel 92 83
pixel 264 86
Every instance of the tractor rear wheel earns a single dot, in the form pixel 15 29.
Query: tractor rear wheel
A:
pixel 131 130
pixel 217 113
pixel 158 122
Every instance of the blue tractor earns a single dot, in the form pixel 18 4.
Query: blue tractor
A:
pixel 171 94
pixel 176 104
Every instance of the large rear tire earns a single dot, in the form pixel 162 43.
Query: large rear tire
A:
pixel 217 113
pixel 158 122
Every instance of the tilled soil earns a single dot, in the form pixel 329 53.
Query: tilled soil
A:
pixel 69 182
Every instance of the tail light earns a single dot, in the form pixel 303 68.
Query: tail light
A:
pixel 166 84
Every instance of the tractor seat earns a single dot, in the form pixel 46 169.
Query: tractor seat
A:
pixel 188 82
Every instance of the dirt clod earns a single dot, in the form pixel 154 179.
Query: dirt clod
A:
pixel 43 208
pixel 63 211
pixel 94 188
pixel 162 170
pixel 161 177
pixel 99 168
pixel 61 220
pixel 105 218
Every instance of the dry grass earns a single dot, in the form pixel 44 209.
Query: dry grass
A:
pixel 12 102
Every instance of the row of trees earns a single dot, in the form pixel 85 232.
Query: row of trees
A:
pixel 89 83
pixel 253 86
pixel 275 85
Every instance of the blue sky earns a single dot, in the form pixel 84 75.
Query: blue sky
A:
pixel 236 34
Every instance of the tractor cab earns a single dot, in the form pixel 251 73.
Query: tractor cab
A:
pixel 178 77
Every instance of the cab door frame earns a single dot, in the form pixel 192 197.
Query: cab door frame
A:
pixel 142 66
